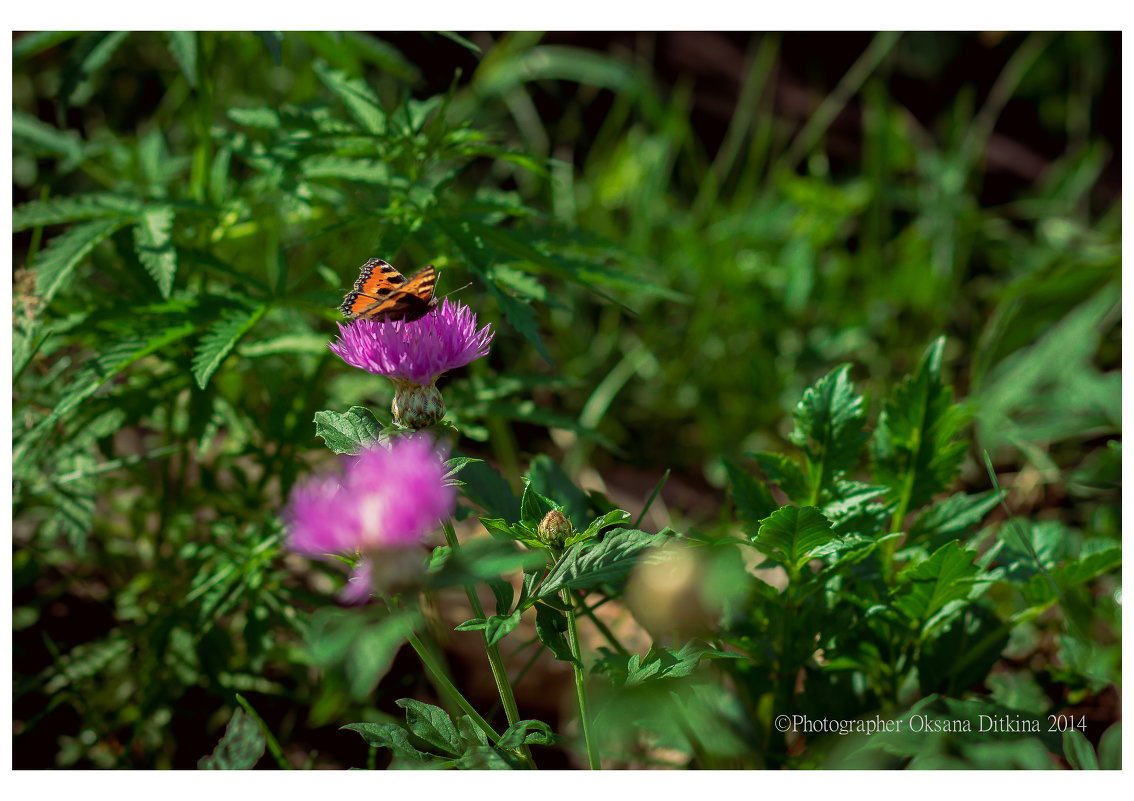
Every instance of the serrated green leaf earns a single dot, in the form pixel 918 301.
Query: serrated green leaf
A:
pixel 221 338
pixel 72 208
pixel 359 98
pixel 753 500
pixel 943 583
pixel 349 432
pixel 183 47
pixel 522 317
pixel 473 624
pixel 591 563
pixel 952 516
pixel 241 747
pixel 433 725
pixel 371 171
pixel 669 663
pixel 829 423
pixel 153 242
pixel 782 471
pixel 261 117
pixel 792 536
pixel 389 735
pixel 915 450
pixel 55 264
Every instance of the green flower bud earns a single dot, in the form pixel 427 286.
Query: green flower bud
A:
pixel 416 406
pixel 555 528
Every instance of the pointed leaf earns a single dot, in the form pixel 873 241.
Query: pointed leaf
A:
pixel 915 450
pixel 943 582
pixel 793 535
pixel 241 747
pixel 828 426
pixel 349 432
pixel 221 338
pixel 782 471
pixel 359 98
pixel 609 560
pixel 153 242
pixel 72 208
pixel 433 725
pixel 183 46
pixel 753 500
pixel 55 264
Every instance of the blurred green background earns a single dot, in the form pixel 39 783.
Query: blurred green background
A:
pixel 672 233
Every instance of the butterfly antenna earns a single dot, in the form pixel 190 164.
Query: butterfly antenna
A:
pixel 458 289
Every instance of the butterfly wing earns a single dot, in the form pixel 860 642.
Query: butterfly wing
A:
pixel 383 293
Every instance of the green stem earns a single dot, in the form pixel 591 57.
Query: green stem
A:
pixel 511 711
pixel 442 679
pixel 581 686
pixel 602 627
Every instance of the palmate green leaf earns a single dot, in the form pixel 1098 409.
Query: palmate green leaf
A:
pixel 153 242
pixel 935 589
pixel 753 500
pixel 829 422
pixel 241 747
pixel 183 47
pixel 793 535
pixel 915 451
pixel 55 264
pixel 221 338
pixel 348 432
pixel 358 97
pixel 72 208
pixel 29 130
pixel 591 563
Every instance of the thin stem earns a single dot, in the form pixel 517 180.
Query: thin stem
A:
pixel 606 632
pixel 581 686
pixel 442 679
pixel 511 711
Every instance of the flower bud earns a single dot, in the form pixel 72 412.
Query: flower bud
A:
pixel 416 406
pixel 555 528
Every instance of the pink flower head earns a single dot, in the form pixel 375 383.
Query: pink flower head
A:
pixel 385 498
pixel 417 351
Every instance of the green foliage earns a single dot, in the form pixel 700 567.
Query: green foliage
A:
pixel 190 207
pixel 241 747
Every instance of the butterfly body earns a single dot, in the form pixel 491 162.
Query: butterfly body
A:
pixel 383 293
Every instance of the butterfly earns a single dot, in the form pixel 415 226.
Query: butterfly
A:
pixel 383 293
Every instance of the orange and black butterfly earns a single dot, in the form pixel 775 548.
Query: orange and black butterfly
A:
pixel 383 293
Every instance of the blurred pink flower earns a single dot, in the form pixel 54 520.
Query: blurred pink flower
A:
pixel 385 498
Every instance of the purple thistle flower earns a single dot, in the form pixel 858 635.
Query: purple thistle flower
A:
pixel 385 499
pixel 415 352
